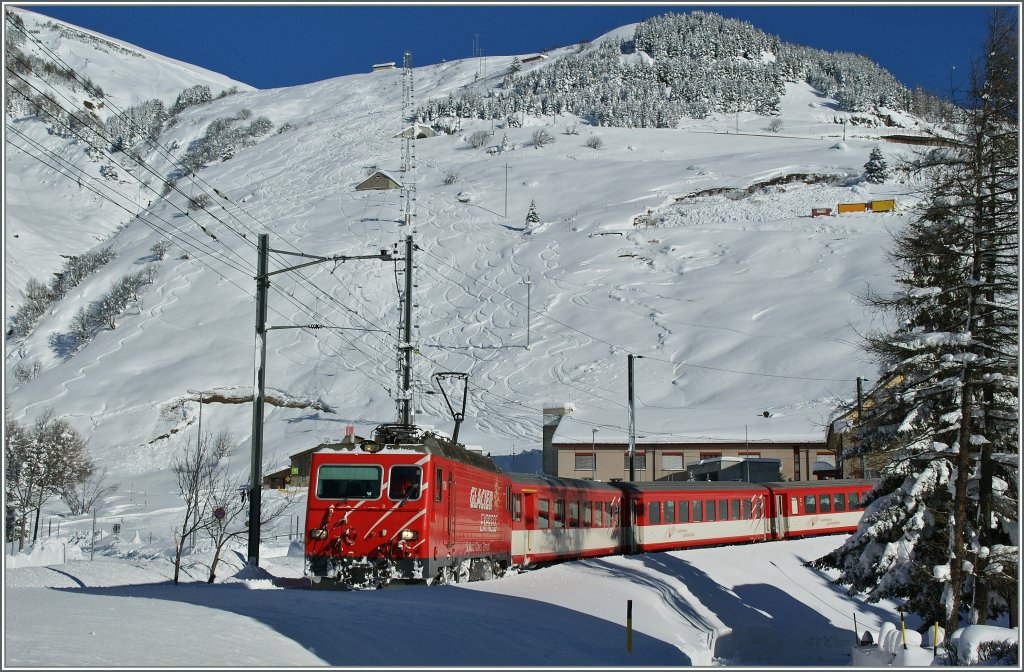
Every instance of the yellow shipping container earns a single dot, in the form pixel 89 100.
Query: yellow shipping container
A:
pixel 852 207
pixel 883 206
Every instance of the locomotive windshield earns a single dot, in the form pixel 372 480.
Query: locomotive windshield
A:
pixel 348 482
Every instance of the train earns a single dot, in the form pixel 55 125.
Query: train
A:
pixel 411 506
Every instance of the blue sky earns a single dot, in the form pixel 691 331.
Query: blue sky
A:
pixel 273 45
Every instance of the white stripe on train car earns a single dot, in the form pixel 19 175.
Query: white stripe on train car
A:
pixel 820 523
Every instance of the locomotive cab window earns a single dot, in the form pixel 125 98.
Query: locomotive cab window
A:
pixel 438 483
pixel 404 483
pixel 335 481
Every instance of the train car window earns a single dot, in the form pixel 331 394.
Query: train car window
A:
pixel 838 502
pixel 438 483
pixel 746 509
pixel 654 513
pixel 824 503
pixel 709 510
pixel 588 514
pixel 809 504
pixel 723 509
pixel 517 507
pixel 542 514
pixel 574 513
pixel 670 512
pixel 611 513
pixel 559 513
pixel 404 483
pixel 696 511
pixel 335 481
pixel 851 499
pixel 735 509
pixel 684 512
pixel 793 508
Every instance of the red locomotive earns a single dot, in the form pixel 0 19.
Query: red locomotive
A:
pixel 414 506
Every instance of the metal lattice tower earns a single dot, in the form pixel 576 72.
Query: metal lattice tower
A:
pixel 408 141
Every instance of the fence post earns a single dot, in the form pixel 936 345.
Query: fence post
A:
pixel 629 626
pixel 92 546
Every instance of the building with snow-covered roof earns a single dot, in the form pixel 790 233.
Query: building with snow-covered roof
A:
pixel 379 180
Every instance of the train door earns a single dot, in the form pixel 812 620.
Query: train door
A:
pixel 781 521
pixel 530 519
pixel 449 527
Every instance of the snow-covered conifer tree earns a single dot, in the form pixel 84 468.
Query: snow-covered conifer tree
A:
pixel 941 528
pixel 876 170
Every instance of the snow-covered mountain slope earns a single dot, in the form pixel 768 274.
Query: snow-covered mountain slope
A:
pixel 47 214
pixel 654 244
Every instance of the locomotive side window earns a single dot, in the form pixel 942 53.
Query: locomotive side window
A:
pixel 438 483
pixel 670 512
pixel 543 515
pixel 574 513
pixel 824 503
pixel 809 504
pixel 838 502
pixel 735 509
pixel 559 513
pixel 696 511
pixel 654 513
pixel 348 482
pixel 684 512
pixel 588 516
pixel 404 483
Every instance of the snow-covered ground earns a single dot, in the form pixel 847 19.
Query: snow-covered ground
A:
pixel 750 606
pixel 739 303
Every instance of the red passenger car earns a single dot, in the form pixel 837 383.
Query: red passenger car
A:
pixel 408 506
pixel 815 508
pixel 563 519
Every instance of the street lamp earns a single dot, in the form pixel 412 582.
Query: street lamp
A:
pixel 593 454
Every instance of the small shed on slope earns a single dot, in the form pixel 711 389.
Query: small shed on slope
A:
pixel 380 179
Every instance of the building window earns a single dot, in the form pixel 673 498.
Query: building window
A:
pixel 710 456
pixel 672 462
pixel 639 462
pixel 749 453
pixel 584 462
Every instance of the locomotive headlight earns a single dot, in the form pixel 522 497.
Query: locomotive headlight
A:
pixel 318 533
pixel 409 535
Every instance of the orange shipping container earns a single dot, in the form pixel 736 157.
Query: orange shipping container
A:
pixel 852 207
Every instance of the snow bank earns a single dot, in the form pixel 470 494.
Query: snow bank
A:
pixel 42 553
